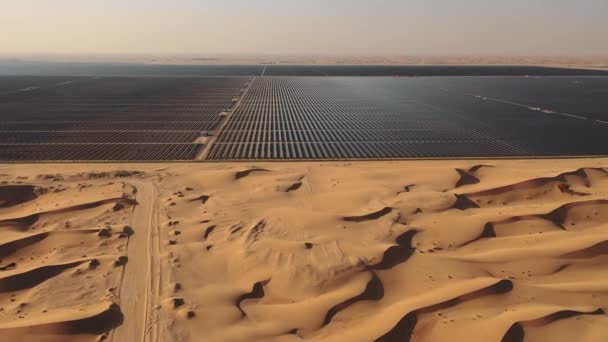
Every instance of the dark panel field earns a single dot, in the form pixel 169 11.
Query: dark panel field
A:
pixel 132 69
pixel 422 70
pixel 112 118
pixel 166 118
pixel 327 118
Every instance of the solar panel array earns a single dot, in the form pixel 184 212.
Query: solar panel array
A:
pixel 379 117
pixel 133 69
pixel 111 118
pixel 423 70
pixel 272 118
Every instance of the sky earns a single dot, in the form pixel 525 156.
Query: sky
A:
pixel 310 27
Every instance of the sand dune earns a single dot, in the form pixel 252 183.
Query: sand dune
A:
pixel 60 242
pixel 336 251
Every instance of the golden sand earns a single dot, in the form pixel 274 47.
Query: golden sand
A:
pixel 326 251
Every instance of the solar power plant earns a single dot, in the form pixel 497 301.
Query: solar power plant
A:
pixel 425 117
pixel 138 70
pixel 301 117
pixel 421 70
pixel 111 118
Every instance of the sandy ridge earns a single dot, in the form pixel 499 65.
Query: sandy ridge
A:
pixel 420 251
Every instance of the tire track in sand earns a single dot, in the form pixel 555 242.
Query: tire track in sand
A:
pixel 140 285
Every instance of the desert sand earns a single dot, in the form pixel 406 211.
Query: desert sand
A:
pixel 484 250
pixel 599 62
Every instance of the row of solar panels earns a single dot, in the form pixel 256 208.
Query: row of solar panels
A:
pixel 85 151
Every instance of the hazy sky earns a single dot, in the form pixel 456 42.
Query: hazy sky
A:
pixel 371 27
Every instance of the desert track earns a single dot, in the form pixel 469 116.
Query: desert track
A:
pixel 139 290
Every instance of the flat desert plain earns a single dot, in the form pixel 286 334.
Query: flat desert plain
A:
pixel 484 250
